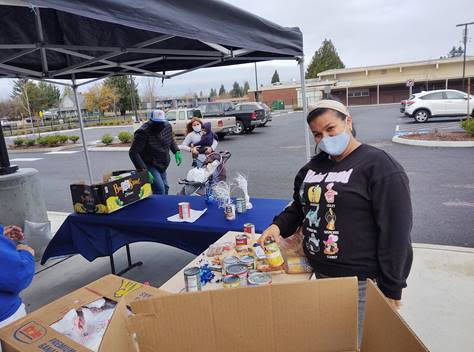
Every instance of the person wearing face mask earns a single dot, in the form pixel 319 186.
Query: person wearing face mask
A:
pixel 352 202
pixel 150 150
pixel 192 141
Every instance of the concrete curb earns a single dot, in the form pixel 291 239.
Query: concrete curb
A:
pixel 67 130
pixel 444 144
pixel 43 150
pixel 108 149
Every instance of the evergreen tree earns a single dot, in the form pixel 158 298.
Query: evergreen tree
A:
pixel 213 93
pixel 122 87
pixel 275 77
pixel 246 88
pixel 222 90
pixel 236 91
pixel 325 58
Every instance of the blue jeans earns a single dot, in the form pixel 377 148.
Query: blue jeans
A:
pixel 160 184
pixel 361 306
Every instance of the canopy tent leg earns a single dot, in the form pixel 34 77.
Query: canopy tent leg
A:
pixel 305 108
pixel 81 124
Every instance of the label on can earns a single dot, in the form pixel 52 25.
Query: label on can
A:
pixel 239 270
pixel 240 205
pixel 228 261
pixel 249 261
pixel 249 228
pixel 229 211
pixel 241 243
pixel 231 281
pixel 184 210
pixel 192 279
pixel 274 257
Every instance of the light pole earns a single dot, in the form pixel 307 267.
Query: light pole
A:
pixel 465 44
pixel 256 83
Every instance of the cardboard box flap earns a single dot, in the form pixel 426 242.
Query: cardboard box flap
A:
pixel 117 337
pixel 313 316
pixel 384 329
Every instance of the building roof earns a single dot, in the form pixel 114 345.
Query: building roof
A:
pixel 397 65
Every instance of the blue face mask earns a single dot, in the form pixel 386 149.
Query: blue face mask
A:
pixel 335 145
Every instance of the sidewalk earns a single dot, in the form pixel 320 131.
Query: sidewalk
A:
pixel 437 305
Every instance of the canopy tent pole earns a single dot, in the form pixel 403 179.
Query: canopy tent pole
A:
pixel 81 124
pixel 305 107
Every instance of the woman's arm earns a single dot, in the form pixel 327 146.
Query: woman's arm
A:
pixel 18 267
pixel 392 210
pixel 186 145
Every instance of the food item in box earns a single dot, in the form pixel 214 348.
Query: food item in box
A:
pixel 259 279
pixel 227 261
pixel 262 265
pixel 272 251
pixel 192 279
pixel 88 324
pixel 239 270
pixel 231 281
pixel 297 265
pixel 241 242
pixel 249 261
pixel 258 251
pixel 215 249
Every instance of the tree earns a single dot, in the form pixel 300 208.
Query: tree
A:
pixel 236 91
pixel 149 94
pixel 68 92
pixel 246 88
pixel 222 90
pixel 11 109
pixel 124 89
pixel 275 77
pixel 325 58
pixel 201 94
pixel 100 97
pixel 213 93
pixel 26 94
pixel 48 95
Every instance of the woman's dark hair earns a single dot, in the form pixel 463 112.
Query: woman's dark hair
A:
pixel 189 126
pixel 314 114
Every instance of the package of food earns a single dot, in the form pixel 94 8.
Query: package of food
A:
pixel 297 265
pixel 293 246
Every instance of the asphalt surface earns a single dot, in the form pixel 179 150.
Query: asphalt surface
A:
pixel 441 179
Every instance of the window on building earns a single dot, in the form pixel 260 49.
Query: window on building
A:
pixel 433 96
pixel 359 93
pixel 454 95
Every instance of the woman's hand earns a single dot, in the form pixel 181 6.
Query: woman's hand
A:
pixel 273 231
pixel 195 151
pixel 395 303
pixel 14 233
pixel 24 247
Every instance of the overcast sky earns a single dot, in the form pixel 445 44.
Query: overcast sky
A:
pixel 365 32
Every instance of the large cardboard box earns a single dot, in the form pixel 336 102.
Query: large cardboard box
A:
pixel 107 197
pixel 316 316
pixel 33 332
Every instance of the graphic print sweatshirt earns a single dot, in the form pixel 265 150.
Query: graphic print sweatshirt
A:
pixel 356 216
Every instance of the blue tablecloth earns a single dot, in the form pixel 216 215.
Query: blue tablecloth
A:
pixel 95 236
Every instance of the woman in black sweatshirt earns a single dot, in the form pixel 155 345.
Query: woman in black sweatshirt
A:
pixel 353 203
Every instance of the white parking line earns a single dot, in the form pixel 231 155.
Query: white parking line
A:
pixel 458 204
pixel 26 159
pixel 64 152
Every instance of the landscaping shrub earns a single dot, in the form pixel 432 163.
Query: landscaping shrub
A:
pixel 73 139
pixel 63 138
pixel 18 142
pixel 53 140
pixel 42 141
pixel 107 139
pixel 125 137
pixel 468 126
pixel 30 142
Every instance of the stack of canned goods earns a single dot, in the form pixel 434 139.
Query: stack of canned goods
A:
pixel 242 272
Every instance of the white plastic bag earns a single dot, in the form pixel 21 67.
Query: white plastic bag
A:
pixel 37 236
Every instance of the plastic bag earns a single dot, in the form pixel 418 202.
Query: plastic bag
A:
pixel 293 254
pixel 37 236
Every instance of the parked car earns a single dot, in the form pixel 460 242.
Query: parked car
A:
pixel 268 114
pixel 404 102
pixel 179 119
pixel 245 120
pixel 444 102
pixel 250 112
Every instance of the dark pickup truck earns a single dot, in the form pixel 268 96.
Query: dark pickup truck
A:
pixel 246 118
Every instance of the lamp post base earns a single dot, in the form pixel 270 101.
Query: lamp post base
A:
pixel 7 170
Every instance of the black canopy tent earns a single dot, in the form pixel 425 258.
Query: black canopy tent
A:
pixel 52 40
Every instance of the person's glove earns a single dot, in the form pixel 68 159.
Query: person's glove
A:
pixel 178 157
pixel 151 179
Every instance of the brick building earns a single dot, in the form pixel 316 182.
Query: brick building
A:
pixel 382 84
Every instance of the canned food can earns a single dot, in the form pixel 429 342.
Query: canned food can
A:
pixel 192 279
pixel 239 270
pixel 184 210
pixel 231 281
pixel 229 211
pixel 240 205
pixel 249 261
pixel 241 242
pixel 228 261
pixel 249 228
pixel 272 251
pixel 258 279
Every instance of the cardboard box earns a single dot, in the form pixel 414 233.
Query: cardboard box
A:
pixel 107 197
pixel 316 316
pixel 33 332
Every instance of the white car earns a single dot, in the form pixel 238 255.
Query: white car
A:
pixel 444 102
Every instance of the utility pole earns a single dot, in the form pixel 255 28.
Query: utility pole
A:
pixel 256 83
pixel 465 44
